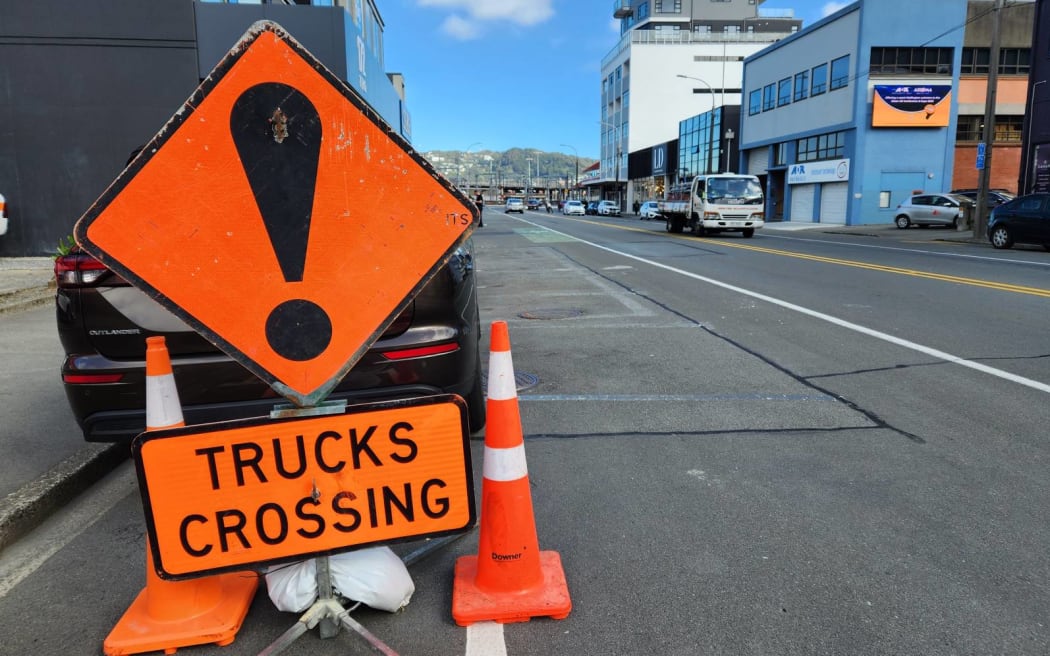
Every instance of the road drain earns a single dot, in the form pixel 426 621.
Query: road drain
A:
pixel 522 381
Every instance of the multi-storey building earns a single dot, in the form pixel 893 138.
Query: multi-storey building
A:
pixel 675 59
pixel 86 82
pixel 1015 57
pixel 881 100
pixel 1034 175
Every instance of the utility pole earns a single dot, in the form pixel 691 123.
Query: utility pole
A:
pixel 577 155
pixel 980 226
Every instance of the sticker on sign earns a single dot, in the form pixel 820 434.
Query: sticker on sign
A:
pixel 222 497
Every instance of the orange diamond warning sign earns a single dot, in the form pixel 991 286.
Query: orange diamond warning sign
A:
pixel 279 216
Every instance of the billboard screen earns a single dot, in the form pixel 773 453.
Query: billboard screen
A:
pixel 921 106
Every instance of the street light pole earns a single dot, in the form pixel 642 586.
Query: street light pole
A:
pixel 528 180
pixel 710 120
pixel 466 152
pixel 729 148
pixel 616 165
pixel 576 181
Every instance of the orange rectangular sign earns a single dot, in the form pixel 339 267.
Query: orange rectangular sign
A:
pixel 231 495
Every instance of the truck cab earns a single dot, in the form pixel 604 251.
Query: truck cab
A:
pixel 709 204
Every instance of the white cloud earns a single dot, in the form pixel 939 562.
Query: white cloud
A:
pixel 460 28
pixel 831 7
pixel 522 12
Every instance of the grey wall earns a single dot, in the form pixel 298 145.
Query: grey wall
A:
pixel 82 84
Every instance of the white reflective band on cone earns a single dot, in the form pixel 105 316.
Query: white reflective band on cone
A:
pixel 162 402
pixel 501 377
pixel 505 464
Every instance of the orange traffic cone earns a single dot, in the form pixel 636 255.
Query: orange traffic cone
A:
pixel 167 615
pixel 510 580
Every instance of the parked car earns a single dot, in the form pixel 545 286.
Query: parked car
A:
pixel 930 209
pixel 608 208
pixel 514 204
pixel 591 207
pixel 1023 220
pixel 996 197
pixel 534 204
pixel 649 210
pixel 572 207
pixel 103 323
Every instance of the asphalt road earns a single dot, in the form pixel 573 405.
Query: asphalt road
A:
pixel 801 443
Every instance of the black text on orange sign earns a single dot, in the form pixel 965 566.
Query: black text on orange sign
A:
pixel 250 493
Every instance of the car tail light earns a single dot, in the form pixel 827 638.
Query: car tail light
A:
pixel 420 352
pixel 78 269
pixel 91 379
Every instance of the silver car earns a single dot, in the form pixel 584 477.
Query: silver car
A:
pixel 572 207
pixel 649 210
pixel 930 209
pixel 515 204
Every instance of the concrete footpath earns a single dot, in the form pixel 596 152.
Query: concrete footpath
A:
pixel 39 483
pixel 26 283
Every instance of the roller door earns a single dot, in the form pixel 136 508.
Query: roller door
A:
pixel 802 202
pixel 757 161
pixel 833 201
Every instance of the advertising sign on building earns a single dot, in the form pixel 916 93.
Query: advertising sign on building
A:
pixel 922 106
pixel 1042 169
pixel 832 170
pixel 660 159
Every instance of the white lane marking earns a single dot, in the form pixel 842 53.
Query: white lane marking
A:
pixel 25 556
pixel 485 639
pixel 849 325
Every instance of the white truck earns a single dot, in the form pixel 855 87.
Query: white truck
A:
pixel 715 203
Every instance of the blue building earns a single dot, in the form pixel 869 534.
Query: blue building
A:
pixel 853 114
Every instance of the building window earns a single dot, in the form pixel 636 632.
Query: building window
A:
pixel 784 92
pixel 754 102
pixel 825 146
pixel 884 199
pixel 839 72
pixel 801 85
pixel 971 128
pixel 661 6
pixel 769 98
pixel 780 154
pixel 820 80
pixel 911 61
pixel 643 11
pixel 1012 61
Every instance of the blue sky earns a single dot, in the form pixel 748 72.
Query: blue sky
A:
pixel 499 74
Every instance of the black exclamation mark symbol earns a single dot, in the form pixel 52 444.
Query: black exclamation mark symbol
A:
pixel 277 132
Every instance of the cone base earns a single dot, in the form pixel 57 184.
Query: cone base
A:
pixel 137 632
pixel 470 604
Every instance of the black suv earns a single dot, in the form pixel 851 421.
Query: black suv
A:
pixel 103 323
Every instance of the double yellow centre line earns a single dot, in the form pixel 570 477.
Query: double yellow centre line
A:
pixel 975 282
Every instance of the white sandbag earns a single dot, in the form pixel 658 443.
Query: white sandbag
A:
pixel 292 587
pixel 375 576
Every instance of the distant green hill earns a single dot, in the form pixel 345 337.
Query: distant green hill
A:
pixel 510 167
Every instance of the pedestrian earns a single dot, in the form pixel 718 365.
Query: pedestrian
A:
pixel 547 203
pixel 479 200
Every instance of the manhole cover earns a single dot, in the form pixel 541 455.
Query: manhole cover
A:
pixel 552 313
pixel 522 381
